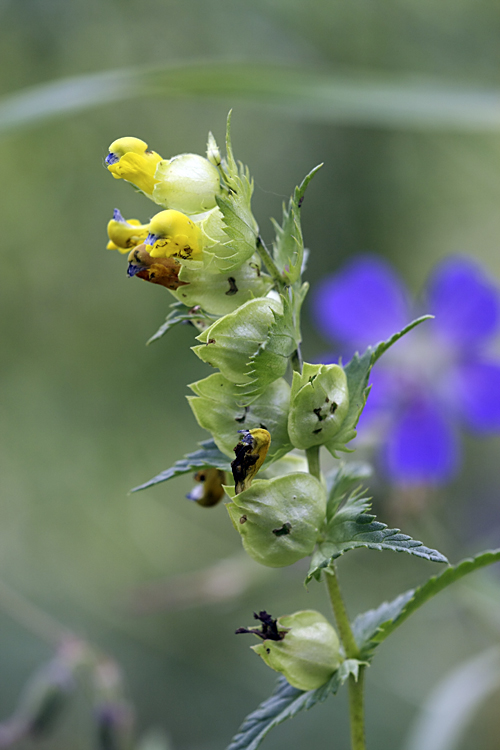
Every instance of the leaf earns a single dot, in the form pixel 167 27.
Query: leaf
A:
pixel 311 94
pixel 285 703
pixel 217 409
pixel 209 456
pixel 358 373
pixel 239 224
pixel 353 527
pixel 373 627
pixel 289 244
pixel 341 480
pixel 181 314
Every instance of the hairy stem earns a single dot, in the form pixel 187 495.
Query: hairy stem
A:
pixel 356 710
pixel 356 703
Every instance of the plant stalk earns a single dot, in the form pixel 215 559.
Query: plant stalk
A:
pixel 356 701
pixel 269 263
pixel 312 455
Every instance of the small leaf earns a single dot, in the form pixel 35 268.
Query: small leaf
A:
pixel 209 456
pixel 352 527
pixel 240 226
pixel 285 703
pixel 181 314
pixel 358 372
pixel 342 480
pixel 373 627
pixel 289 245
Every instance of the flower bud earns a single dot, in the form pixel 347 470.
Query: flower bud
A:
pixel 213 153
pixel 125 234
pixel 279 519
pixel 231 341
pixel 129 160
pixel 319 403
pixel 304 647
pixel 173 234
pixel 251 453
pixel 187 183
pixel 209 491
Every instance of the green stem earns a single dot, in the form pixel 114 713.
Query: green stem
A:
pixel 356 707
pixel 269 262
pixel 312 455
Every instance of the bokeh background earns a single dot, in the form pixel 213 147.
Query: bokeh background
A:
pixel 88 411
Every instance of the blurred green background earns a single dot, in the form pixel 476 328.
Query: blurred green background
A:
pixel 89 412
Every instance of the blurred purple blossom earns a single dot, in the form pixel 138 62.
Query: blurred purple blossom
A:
pixel 438 377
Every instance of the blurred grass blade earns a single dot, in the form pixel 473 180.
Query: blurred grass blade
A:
pixel 346 97
pixel 451 706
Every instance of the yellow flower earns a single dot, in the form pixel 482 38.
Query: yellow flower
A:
pixel 125 234
pixel 173 234
pixel 129 160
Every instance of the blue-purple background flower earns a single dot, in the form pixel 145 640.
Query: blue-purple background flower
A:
pixel 439 376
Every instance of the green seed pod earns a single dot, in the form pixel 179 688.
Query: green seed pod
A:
pixel 187 183
pixel 307 654
pixel 231 341
pixel 319 403
pixel 279 519
pixel 221 293
pixel 217 409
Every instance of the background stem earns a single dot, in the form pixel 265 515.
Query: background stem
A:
pixel 312 455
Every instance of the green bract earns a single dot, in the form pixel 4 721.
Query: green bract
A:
pixel 217 408
pixel 231 341
pixel 308 654
pixel 279 519
pixel 319 403
pixel 221 293
pixel 187 183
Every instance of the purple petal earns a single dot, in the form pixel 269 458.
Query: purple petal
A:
pixel 363 304
pixel 464 301
pixel 475 390
pixel 422 446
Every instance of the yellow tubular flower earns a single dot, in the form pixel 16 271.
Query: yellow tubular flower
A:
pixel 125 234
pixel 173 234
pixel 129 160
pixel 251 453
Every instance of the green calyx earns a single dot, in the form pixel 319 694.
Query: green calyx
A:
pixel 279 519
pixel 231 341
pixel 319 403
pixel 217 408
pixel 307 653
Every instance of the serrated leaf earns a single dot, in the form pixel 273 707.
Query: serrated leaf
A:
pixel 342 480
pixel 289 244
pixel 270 361
pixel 373 627
pixel 358 372
pixel 208 456
pixel 353 527
pixel 240 226
pixel 181 314
pixel 217 409
pixel 285 703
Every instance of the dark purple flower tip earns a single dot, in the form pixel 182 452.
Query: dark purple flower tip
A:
pixel 362 304
pixel 465 302
pixel 422 447
pixel 151 239
pixel 474 394
pixel 117 216
pixel 132 269
pixel 111 158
